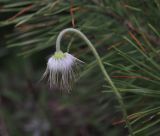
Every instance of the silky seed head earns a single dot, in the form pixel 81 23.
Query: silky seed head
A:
pixel 62 70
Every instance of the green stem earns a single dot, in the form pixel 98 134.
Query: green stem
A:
pixel 115 90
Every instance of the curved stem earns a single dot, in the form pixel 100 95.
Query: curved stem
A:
pixel 115 90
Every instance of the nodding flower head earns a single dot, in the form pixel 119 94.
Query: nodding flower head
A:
pixel 62 70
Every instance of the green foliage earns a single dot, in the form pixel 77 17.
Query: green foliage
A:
pixel 127 36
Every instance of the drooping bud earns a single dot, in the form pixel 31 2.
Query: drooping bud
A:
pixel 62 70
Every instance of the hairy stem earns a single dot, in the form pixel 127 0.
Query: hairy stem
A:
pixel 107 77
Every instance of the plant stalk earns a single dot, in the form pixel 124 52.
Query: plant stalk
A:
pixel 106 75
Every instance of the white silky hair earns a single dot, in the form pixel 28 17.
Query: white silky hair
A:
pixel 62 72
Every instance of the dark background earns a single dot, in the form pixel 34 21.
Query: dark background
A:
pixel 127 36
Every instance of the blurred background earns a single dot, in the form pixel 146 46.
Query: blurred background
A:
pixel 126 34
